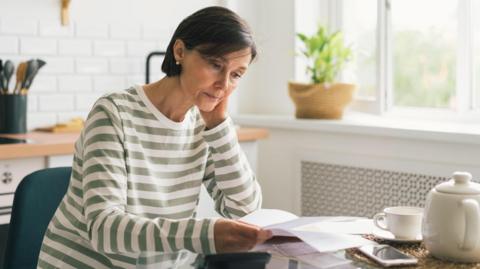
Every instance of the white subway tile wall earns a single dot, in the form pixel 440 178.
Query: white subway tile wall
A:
pixel 8 44
pixel 120 66
pixel 19 26
pixel 85 102
pixel 55 29
pixel 103 49
pixel 125 30
pixel 91 30
pixel 38 46
pixel 56 103
pixel 109 48
pixel 93 65
pixel 32 105
pixel 108 83
pixel 75 47
pixel 84 61
pixel 56 65
pixel 75 83
pixel 136 48
pixel 41 118
pixel 44 83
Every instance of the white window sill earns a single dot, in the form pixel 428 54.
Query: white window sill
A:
pixel 366 124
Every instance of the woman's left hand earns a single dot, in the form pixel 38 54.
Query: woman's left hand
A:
pixel 217 115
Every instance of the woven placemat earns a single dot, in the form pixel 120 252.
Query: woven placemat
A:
pixel 418 250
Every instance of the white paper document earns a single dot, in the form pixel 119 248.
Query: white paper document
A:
pixel 358 226
pixel 266 217
pixel 325 234
pixel 303 252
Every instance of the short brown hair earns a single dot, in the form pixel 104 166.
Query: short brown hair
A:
pixel 212 31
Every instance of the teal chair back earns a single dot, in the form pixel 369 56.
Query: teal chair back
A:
pixel 36 199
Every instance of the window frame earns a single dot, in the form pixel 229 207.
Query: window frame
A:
pixel 382 103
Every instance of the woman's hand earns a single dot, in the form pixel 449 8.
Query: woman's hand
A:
pixel 217 115
pixel 237 236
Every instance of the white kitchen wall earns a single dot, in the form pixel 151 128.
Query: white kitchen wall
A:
pixel 102 49
pixel 264 91
pixel 388 146
pixel 264 102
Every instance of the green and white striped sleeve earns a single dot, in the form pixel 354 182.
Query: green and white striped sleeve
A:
pixel 110 228
pixel 228 177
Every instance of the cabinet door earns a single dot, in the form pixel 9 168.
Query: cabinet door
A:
pixel 11 173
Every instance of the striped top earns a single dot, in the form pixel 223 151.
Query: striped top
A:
pixel 135 185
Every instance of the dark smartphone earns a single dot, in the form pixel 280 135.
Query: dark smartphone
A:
pixel 387 255
pixel 250 260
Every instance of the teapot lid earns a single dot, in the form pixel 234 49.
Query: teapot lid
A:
pixel 459 184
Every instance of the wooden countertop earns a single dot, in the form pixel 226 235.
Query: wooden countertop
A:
pixel 46 144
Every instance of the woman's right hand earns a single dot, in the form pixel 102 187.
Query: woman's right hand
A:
pixel 237 236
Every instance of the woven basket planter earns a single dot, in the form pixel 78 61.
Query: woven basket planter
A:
pixel 320 101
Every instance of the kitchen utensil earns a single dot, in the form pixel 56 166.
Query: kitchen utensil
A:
pixel 8 69
pixel 1 76
pixel 3 81
pixel 2 90
pixel 21 69
pixel 451 223
pixel 41 63
pixel 32 70
pixel 31 66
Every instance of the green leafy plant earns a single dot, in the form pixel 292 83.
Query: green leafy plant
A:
pixel 325 53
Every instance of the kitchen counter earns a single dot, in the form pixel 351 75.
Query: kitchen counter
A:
pixel 46 144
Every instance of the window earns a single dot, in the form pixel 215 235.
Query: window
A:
pixel 414 53
pixel 360 31
pixel 424 52
pixel 476 52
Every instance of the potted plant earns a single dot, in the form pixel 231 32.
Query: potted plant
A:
pixel 323 98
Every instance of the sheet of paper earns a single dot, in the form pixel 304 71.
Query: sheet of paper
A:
pixel 328 242
pixel 266 217
pixel 356 226
pixel 283 223
pixel 303 252
pixel 294 249
pixel 308 224
pixel 287 249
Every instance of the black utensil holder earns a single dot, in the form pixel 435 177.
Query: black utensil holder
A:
pixel 13 114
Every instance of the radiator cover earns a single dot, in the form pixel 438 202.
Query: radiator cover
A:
pixel 334 190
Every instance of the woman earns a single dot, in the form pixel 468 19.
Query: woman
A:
pixel 144 153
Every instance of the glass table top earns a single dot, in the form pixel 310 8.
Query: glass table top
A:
pixel 285 254
pixel 336 260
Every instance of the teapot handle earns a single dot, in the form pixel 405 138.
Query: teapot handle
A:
pixel 472 212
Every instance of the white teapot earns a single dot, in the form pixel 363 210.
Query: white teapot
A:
pixel 451 221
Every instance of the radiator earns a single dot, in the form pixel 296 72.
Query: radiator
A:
pixel 339 190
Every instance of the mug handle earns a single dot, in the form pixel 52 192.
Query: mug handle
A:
pixel 378 219
pixel 470 237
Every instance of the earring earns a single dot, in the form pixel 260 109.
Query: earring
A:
pixel 177 63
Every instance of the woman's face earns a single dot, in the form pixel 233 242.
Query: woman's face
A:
pixel 210 80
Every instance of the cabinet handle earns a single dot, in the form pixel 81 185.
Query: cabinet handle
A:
pixel 7 177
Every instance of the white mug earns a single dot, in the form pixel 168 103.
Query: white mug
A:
pixel 404 222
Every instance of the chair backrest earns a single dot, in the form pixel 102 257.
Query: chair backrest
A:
pixel 36 199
